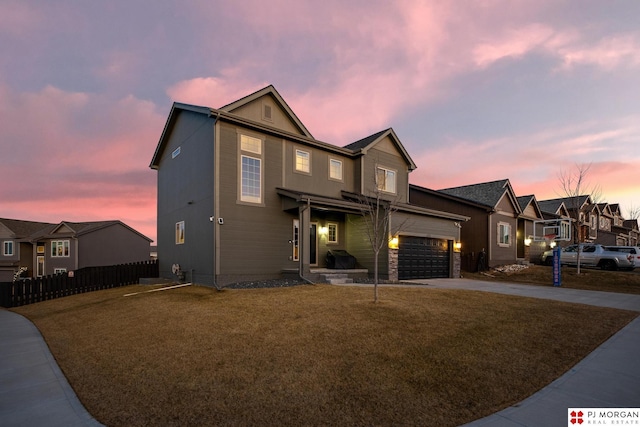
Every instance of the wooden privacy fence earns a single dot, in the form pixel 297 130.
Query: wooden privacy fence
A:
pixel 88 279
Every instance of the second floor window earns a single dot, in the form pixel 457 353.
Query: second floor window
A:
pixel 386 179
pixel 250 169
pixel 8 249
pixel 303 163
pixel 59 248
pixel 335 169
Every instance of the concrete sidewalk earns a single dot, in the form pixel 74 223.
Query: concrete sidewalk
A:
pixel 33 390
pixel 609 377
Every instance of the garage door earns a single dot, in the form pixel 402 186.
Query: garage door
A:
pixel 422 258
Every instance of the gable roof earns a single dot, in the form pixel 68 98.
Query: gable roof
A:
pixel 271 91
pixel 486 193
pixel 554 206
pixel 80 228
pixel 568 202
pixel 365 144
pixel 529 200
pixel 445 196
pixel 226 113
pixel 32 230
pixel 605 209
pixel 23 229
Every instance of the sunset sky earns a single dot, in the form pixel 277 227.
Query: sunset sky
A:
pixel 475 90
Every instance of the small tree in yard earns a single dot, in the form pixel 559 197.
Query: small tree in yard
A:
pixel 573 185
pixel 376 211
pixel 376 214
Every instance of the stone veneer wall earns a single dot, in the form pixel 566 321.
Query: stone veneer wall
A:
pixel 393 265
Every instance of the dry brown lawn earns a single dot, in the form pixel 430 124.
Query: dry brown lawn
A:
pixel 312 355
pixel 589 278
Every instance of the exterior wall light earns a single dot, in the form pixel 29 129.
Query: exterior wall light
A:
pixel 457 246
pixel 324 230
pixel 394 242
pixel 527 241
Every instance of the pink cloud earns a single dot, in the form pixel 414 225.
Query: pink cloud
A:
pixel 213 92
pixel 533 162
pixel 511 43
pixel 78 156
pixel 608 53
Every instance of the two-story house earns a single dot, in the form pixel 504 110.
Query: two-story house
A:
pixel 581 209
pixel 44 248
pixel 246 192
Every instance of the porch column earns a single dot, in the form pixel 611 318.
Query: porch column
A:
pixel 304 240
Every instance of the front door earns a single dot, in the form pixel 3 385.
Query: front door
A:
pixel 313 244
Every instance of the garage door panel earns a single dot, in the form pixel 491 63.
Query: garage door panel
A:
pixel 422 258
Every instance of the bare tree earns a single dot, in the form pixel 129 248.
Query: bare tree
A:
pixel 376 215
pixel 376 209
pixel 575 189
pixel 634 212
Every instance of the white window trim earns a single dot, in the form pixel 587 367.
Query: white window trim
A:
pixel 295 161
pixel 245 197
pixel 65 245
pixel 386 171
pixel 508 234
pixel 341 179
pixel 255 152
pixel 180 233
pixel 5 245
pixel 251 139
pixel 329 225
pixel 59 270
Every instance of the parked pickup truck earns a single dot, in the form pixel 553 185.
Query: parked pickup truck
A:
pixel 593 256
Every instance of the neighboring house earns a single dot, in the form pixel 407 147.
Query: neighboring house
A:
pixel 601 223
pixel 245 192
pixel 612 229
pixel 527 248
pixel 583 212
pixel 493 210
pixel 45 248
pixel 553 209
pixel 634 232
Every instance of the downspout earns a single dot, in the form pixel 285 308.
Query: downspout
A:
pixel 216 197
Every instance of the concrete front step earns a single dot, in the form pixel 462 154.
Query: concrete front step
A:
pixel 337 280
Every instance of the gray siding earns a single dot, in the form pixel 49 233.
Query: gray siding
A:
pixel 500 255
pixel 316 182
pixel 254 239
pixel 358 245
pixel 474 233
pixel 111 245
pixel 375 158
pixel 418 225
pixel 185 193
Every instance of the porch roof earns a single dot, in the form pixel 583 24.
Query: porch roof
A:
pixel 318 201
